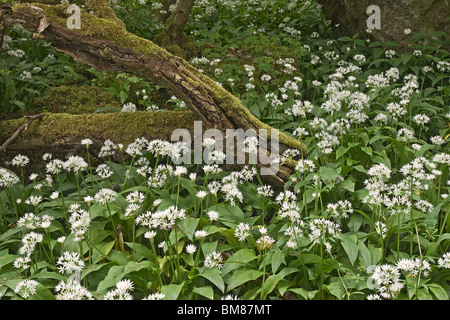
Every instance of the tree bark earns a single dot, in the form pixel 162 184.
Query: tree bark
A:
pixel 172 37
pixel 104 43
pixel 349 17
pixel 163 14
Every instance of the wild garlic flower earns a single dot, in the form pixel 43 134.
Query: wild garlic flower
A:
pixel 55 166
pixel 8 178
pixel 105 195
pixel 437 140
pixel 29 242
pixel 121 292
pixel 33 200
pixel 163 220
pixel 135 197
pixel 414 266
pixel 75 164
pixel 341 209
pixel 26 288
pixel 387 277
pixel 155 296
pixel 20 161
pixel 242 231
pixel 320 229
pixel 72 290
pixel 214 260
pixel 444 261
pixel 380 229
pixel 70 262
pixel 265 191
pixel 198 234
pixel 213 215
pixel 265 242
pixel 108 148
pixel 79 224
pixel 29 221
pixel 191 248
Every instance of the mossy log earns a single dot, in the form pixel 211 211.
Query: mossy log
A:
pixel 63 131
pixel 104 43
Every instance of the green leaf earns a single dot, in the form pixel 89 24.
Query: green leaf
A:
pixel 271 282
pixel 307 295
pixel 114 275
pixel 367 150
pixel 172 291
pixel 329 174
pixel 438 291
pixel 364 255
pixel 101 250
pixel 188 227
pixel 7 259
pixel 206 292
pixel 108 108
pixel 42 293
pixel 351 248
pixel 241 276
pixel 278 257
pixel 238 259
pixel 347 185
pixel 341 151
pixel 48 275
pixel 142 250
pixel 213 275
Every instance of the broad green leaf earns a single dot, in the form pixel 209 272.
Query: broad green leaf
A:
pixel 47 275
pixel 206 292
pixel 438 291
pixel 329 174
pixel 114 275
pixel 7 259
pixel 101 250
pixel 188 227
pixel 364 255
pixel 241 276
pixel 172 291
pixel 272 280
pixel 278 258
pixel 142 250
pixel 238 259
pixel 307 295
pixel 367 150
pixel 214 275
pixel 347 185
pixel 351 248
pixel 42 293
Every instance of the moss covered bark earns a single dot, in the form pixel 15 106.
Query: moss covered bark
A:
pixel 122 127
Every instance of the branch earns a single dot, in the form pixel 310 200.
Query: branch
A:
pixel 20 129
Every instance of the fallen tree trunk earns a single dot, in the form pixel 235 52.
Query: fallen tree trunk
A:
pixel 103 42
pixel 20 129
pixel 64 132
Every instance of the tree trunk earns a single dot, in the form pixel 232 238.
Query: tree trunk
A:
pixel 163 14
pixel 104 43
pixel 2 30
pixel 172 37
pixel 349 17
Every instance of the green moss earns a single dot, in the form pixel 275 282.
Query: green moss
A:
pixel 75 100
pixel 122 127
